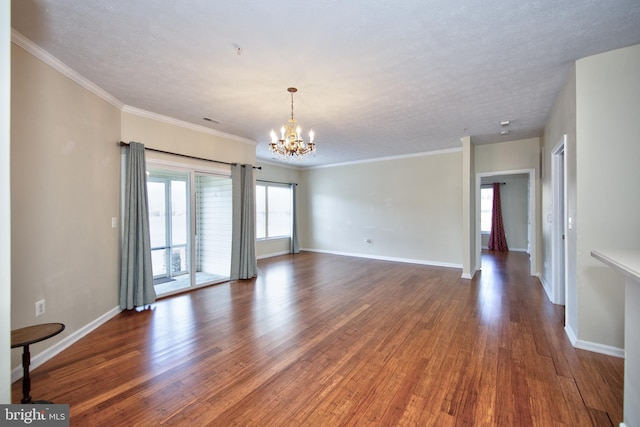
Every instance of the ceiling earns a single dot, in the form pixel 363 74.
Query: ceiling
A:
pixel 375 78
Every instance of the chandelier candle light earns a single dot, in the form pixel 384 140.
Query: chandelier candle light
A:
pixel 290 143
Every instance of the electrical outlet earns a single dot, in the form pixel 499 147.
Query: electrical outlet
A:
pixel 40 309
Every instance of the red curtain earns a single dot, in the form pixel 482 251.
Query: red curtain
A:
pixel 497 239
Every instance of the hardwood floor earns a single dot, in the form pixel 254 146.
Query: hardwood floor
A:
pixel 329 340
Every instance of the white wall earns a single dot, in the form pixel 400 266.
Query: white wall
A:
pixel 410 209
pixel 5 202
pixel 608 175
pixel 65 173
pixel 468 214
pixel 284 174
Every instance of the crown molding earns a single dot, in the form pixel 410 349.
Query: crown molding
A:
pixel 73 75
pixel 62 68
pixel 198 128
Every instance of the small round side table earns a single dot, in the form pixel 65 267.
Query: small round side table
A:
pixel 24 337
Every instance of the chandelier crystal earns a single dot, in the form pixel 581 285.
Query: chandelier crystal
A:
pixel 291 143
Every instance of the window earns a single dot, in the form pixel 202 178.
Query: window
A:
pixel 273 211
pixel 486 209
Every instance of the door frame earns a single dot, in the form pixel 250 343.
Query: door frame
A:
pixel 558 223
pixel 156 161
pixel 532 220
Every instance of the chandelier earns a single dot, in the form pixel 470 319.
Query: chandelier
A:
pixel 291 143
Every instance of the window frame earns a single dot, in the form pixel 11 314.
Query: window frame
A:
pixel 266 185
pixel 487 232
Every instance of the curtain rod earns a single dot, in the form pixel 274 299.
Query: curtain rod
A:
pixel 277 182
pixel 124 144
pixel 491 183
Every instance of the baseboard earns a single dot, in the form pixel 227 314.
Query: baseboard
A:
pixel 592 346
pixel 545 286
pixel 386 258
pixel 571 335
pixel 271 255
pixel 468 276
pixel 486 248
pixel 600 348
pixel 61 345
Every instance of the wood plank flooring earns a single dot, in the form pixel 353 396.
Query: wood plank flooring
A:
pixel 324 340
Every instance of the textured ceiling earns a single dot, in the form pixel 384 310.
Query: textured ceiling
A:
pixel 375 78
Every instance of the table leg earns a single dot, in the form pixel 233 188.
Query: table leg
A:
pixel 26 381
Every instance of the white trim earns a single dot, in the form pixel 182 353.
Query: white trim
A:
pixel 62 68
pixel 383 159
pixel 533 218
pixel 511 249
pixel 198 128
pixel 592 346
pixel 386 258
pixel 573 339
pixel 558 225
pixel 600 348
pixel 468 276
pixel 66 342
pixel 186 167
pixel 545 286
pixel 274 254
pixel 5 202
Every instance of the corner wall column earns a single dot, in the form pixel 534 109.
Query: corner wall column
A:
pixel 468 210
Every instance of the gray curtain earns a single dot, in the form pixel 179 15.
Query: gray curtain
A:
pixel 243 234
pixel 136 275
pixel 294 248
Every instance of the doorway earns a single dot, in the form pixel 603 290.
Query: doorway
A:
pixel 190 218
pixel 531 220
pixel 559 221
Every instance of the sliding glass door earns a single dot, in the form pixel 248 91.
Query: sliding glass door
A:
pixel 213 228
pixel 190 227
pixel 169 228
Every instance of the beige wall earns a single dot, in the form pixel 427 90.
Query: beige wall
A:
pixel 409 208
pixel 284 174
pixel 608 199
pixel 65 174
pixel 163 135
pixel 508 156
pixel 5 203
pixel 514 156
